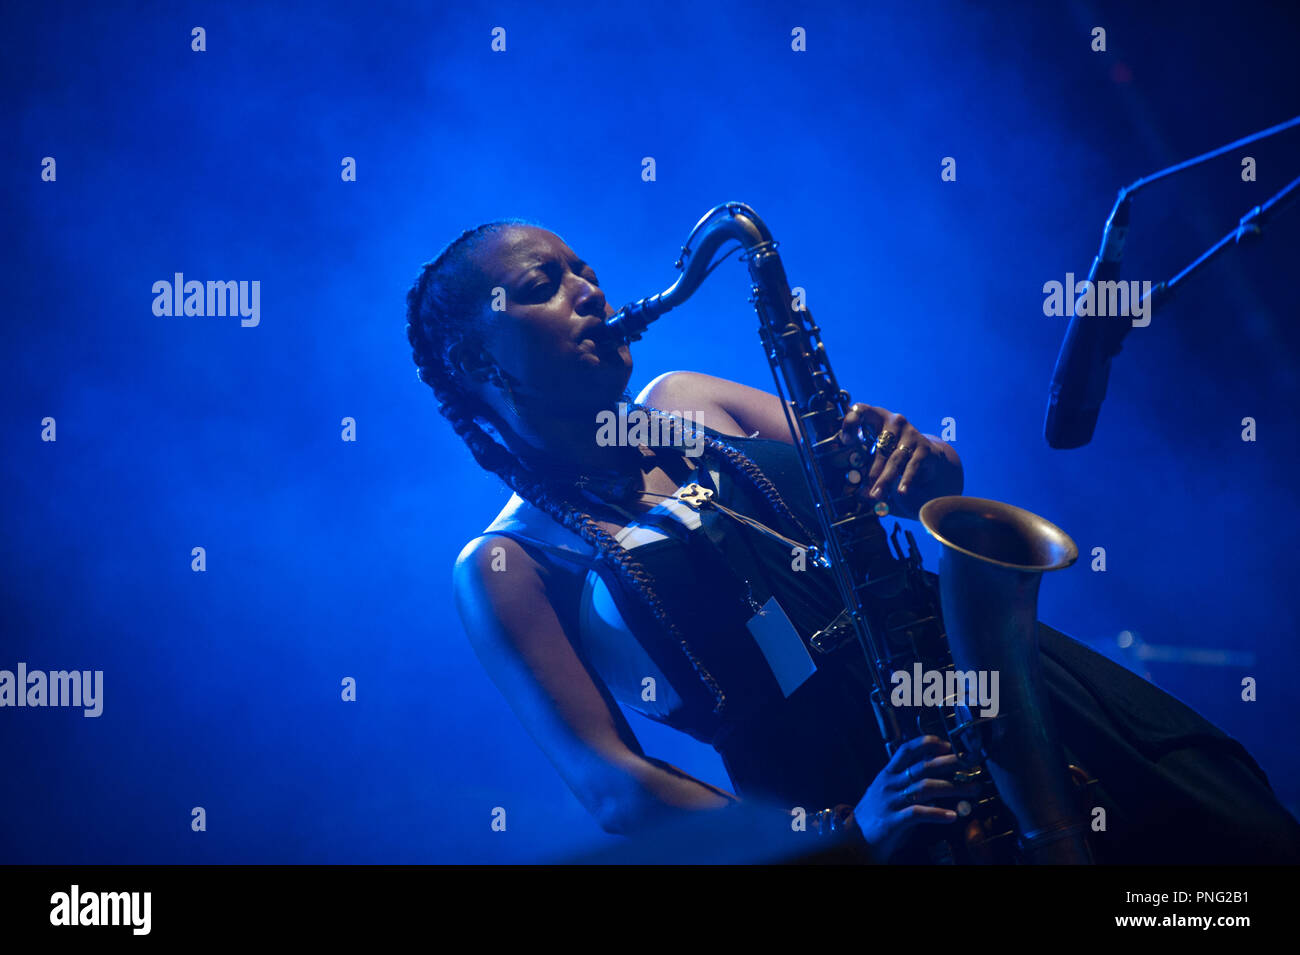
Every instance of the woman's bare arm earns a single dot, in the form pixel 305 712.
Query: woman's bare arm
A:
pixel 522 644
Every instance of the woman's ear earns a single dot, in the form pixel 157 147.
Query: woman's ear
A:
pixel 472 361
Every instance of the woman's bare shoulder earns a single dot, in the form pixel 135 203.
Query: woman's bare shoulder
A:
pixel 723 405
pixel 502 560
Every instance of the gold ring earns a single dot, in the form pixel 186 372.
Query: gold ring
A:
pixel 885 443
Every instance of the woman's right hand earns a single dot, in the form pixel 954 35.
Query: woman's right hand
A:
pixel 900 797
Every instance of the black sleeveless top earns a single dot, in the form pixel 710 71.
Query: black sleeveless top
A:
pixel 797 728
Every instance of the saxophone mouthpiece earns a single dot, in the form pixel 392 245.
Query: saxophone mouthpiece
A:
pixel 617 326
pixel 631 320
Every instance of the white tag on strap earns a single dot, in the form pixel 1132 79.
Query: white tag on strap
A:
pixel 780 643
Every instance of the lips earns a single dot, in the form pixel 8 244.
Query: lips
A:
pixel 601 336
pixel 607 347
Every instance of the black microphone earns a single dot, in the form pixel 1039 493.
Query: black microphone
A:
pixel 1091 341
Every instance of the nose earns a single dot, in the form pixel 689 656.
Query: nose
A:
pixel 591 300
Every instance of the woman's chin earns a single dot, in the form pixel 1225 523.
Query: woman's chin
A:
pixel 606 383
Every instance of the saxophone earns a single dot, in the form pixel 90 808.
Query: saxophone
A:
pixel 980 618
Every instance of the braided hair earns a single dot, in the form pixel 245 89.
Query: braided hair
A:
pixel 442 309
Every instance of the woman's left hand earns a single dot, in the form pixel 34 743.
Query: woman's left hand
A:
pixel 910 467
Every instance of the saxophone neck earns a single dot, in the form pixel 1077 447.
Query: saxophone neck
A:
pixel 722 223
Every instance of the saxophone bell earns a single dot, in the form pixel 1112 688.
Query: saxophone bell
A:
pixel 993 560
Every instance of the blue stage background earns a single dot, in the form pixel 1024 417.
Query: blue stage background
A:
pixel 329 559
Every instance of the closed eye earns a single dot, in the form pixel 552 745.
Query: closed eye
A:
pixel 545 291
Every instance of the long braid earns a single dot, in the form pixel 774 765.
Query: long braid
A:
pixel 741 465
pixel 440 309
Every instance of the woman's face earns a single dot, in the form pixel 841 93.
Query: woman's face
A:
pixel 552 335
